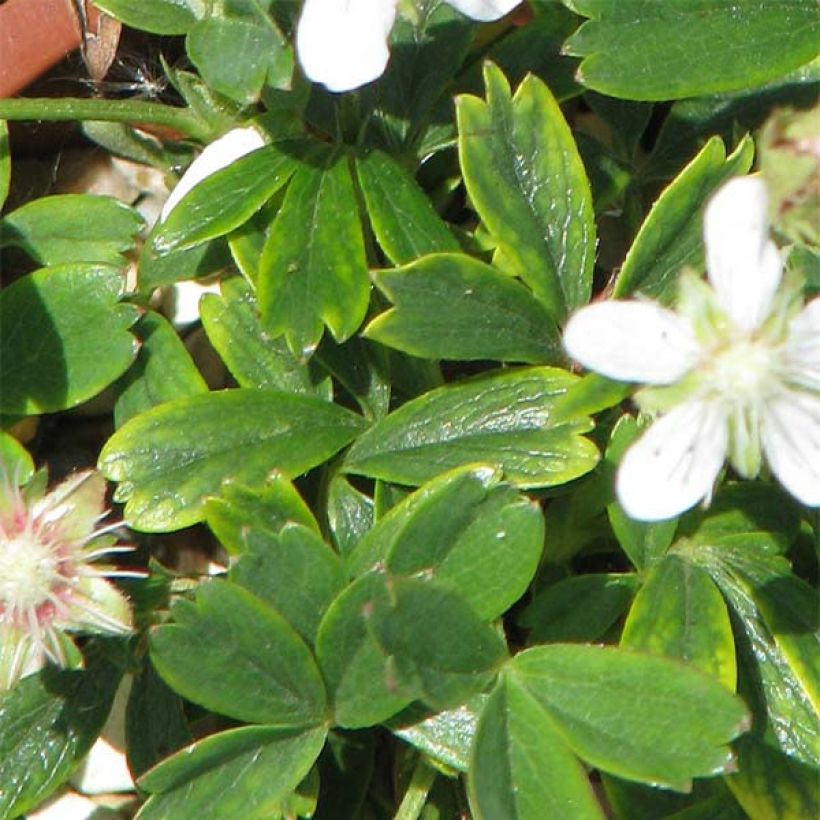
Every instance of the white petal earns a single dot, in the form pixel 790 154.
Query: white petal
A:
pixel 484 9
pixel 802 348
pixel 743 265
pixel 674 464
pixel 343 43
pixel 632 341
pixel 791 442
pixel 216 156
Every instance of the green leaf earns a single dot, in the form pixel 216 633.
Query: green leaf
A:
pixel 16 464
pixel 313 268
pixel 47 724
pixel 680 613
pixel 233 654
pixel 254 359
pixel 360 677
pixel 295 572
pixel 162 372
pixel 526 180
pixel 450 306
pixel 155 723
pixel 349 514
pixel 156 16
pixel 58 230
pixel 247 772
pixel 503 418
pixel 445 736
pixel 636 716
pixel 582 608
pixel 671 235
pixel 172 457
pixel 53 324
pixel 466 531
pixel 258 53
pixel 5 163
pixel 646 50
pixel 403 219
pixel 228 198
pixel 440 647
pixel 521 767
pixel 157 269
pixel 770 784
pixel 237 511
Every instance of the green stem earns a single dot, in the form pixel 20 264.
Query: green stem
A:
pixel 416 795
pixel 131 111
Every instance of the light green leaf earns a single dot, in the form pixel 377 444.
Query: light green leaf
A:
pixel 228 198
pixel 503 418
pixel 233 654
pixel 465 530
pixel 526 180
pixel 57 230
pixel 680 613
pixel 671 235
pixel 649 50
pixel 450 306
pixel 295 572
pixel 16 464
pixel 253 357
pixel 169 459
pixel 162 372
pixel 53 324
pixel 403 219
pixel 521 767
pixel 636 716
pixel 581 608
pixel 313 268
pixel 5 162
pixel 261 764
pixel 156 16
pixel 237 511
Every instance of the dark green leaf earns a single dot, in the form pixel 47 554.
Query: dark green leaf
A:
pixel 670 236
pixel 527 182
pixel 345 771
pixel 646 50
pixel 227 198
pixel 157 269
pixel 636 716
pixel 450 306
pixel 349 513
pixel 295 572
pixel 254 358
pixel 233 654
pixel 402 217
pixel 521 767
pixel 360 677
pixel 47 724
pixel 680 613
pixel 162 372
pixel 466 531
pixel 440 647
pixel 237 511
pixel 53 325
pixel 313 267
pixel 155 724
pixel 156 16
pixel 172 457
pixel 503 418
pixel 582 608
pixel 58 230
pixel 247 772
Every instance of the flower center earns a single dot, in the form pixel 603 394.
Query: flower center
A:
pixel 743 372
pixel 28 572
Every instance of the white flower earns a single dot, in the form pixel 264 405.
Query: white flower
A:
pixel 216 156
pixel 736 370
pixel 48 585
pixel 343 43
